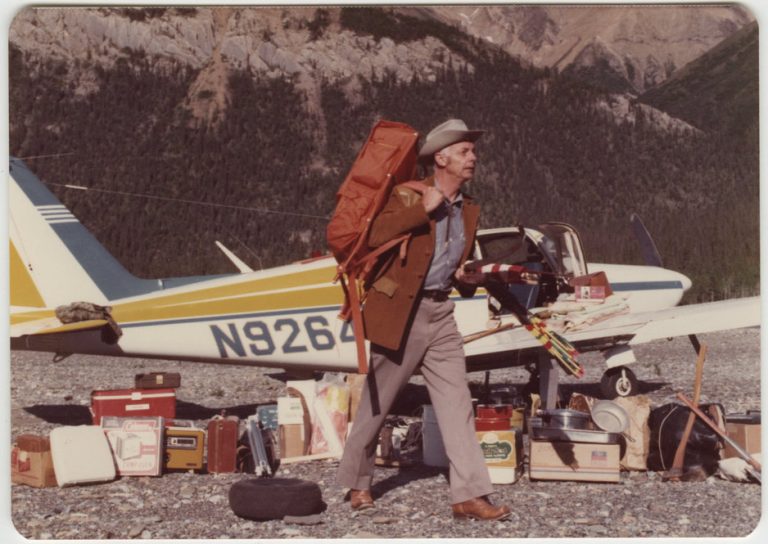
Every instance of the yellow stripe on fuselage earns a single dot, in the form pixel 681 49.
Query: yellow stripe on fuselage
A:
pixel 22 286
pixel 299 289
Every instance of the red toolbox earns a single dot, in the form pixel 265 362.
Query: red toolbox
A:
pixel 223 433
pixel 132 403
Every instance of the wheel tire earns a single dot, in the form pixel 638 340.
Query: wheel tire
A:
pixel 618 382
pixel 274 498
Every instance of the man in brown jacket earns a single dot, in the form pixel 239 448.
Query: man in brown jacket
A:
pixel 409 321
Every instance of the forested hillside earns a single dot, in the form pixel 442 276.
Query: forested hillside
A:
pixel 263 181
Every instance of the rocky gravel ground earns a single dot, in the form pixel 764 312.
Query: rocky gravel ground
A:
pixel 411 502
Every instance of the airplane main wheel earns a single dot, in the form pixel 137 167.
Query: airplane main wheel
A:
pixel 618 382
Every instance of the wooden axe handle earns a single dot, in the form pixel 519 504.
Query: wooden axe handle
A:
pixel 743 454
pixel 677 463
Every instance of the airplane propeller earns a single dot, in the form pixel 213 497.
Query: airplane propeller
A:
pixel 648 248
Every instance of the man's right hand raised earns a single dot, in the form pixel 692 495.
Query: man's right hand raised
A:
pixel 431 198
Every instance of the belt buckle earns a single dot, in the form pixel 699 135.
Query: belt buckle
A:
pixel 436 295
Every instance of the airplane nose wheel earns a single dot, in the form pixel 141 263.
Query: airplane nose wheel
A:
pixel 618 382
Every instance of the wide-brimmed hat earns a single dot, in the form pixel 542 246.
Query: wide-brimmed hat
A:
pixel 445 134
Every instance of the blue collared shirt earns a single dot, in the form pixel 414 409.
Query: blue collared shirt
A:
pixel 449 244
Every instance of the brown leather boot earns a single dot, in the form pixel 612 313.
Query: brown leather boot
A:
pixel 360 499
pixel 479 508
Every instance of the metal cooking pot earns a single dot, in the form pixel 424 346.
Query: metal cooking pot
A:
pixel 566 419
pixel 609 416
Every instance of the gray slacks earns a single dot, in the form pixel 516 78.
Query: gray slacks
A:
pixel 435 342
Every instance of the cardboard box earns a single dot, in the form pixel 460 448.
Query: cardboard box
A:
pixel 573 461
pixel 745 433
pixel 136 444
pixel 291 441
pixel 31 462
pixel 503 453
pixel 593 286
pixel 133 403
pixel 293 427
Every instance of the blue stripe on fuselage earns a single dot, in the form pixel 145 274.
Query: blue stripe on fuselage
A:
pixel 646 285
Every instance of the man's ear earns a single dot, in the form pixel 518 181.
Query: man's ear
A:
pixel 441 160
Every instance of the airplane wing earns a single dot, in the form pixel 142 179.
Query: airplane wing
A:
pixel 700 318
pixel 636 328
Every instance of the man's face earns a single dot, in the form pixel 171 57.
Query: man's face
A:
pixel 460 160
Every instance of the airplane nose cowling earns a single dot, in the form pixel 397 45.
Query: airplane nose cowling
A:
pixel 686 281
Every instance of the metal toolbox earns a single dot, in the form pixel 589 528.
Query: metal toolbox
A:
pixel 157 380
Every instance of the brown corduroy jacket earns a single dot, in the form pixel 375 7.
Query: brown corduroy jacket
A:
pixel 392 296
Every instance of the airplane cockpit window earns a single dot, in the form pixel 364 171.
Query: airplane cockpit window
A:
pixel 506 248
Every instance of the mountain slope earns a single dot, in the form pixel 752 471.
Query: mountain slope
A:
pixel 717 91
pixel 653 40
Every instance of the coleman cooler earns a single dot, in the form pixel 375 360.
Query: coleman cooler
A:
pixel 133 403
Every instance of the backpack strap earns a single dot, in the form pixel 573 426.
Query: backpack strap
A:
pixel 357 271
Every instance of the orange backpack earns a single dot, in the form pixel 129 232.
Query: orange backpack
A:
pixel 387 158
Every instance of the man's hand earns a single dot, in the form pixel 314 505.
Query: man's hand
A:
pixel 431 198
pixel 530 277
pixel 470 277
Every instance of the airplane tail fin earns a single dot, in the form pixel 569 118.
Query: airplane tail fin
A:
pixel 53 258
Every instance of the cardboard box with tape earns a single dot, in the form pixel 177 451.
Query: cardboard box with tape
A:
pixel 31 462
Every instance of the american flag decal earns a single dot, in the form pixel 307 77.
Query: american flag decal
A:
pixel 599 456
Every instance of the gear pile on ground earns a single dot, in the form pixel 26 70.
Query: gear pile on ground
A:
pixel 411 501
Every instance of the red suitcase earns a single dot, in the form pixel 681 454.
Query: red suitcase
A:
pixel 132 403
pixel 223 433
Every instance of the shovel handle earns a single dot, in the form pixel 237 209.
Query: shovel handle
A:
pixel 743 454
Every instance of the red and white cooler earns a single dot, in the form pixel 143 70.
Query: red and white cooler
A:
pixel 133 403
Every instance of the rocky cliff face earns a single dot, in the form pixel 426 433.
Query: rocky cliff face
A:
pixel 622 49
pixel 272 42
pixel 649 42
pixel 307 45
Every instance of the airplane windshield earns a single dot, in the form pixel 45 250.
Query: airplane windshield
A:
pixel 563 247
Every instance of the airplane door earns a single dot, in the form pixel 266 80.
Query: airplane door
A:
pixel 562 245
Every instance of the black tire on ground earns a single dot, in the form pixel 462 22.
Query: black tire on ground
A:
pixel 274 498
pixel 618 382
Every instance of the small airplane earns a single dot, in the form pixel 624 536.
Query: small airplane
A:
pixel 287 317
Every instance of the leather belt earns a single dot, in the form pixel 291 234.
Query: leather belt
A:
pixel 435 294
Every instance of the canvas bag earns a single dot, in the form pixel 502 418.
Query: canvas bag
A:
pixel 387 158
